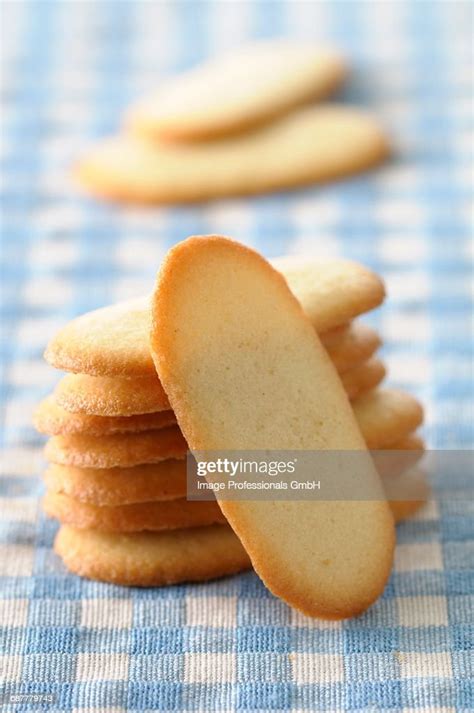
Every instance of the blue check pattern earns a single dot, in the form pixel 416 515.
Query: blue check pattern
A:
pixel 69 70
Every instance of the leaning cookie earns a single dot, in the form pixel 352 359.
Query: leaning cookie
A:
pixel 243 339
pixel 253 85
pixel 311 145
pixel 114 340
pixel 50 418
pixel 149 559
pixel 119 450
pixel 167 515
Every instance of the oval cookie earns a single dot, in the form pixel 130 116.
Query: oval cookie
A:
pixel 385 416
pixel 121 449
pixel 311 145
pixel 111 396
pixel 398 458
pixel 135 517
pixel 253 85
pixel 50 418
pixel 149 559
pixel 408 493
pixel 331 292
pixel 363 377
pixel 357 343
pixel 119 486
pixel 240 361
pixel 110 341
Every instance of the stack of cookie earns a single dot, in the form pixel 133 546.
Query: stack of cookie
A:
pixel 117 474
pixel 240 124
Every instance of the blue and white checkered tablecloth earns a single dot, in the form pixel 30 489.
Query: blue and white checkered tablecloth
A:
pixel 69 69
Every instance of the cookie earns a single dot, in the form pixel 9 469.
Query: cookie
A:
pixel 385 416
pixel 399 457
pixel 111 341
pixel 341 291
pixel 50 418
pixel 114 341
pixel 404 509
pixel 120 449
pixel 152 559
pixel 332 337
pixel 408 493
pixel 357 343
pixel 246 371
pixel 253 85
pixel 109 397
pixel 363 377
pixel 119 486
pixel 311 145
pixel 135 517
pixel 412 442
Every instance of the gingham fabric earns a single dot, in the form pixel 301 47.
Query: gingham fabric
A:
pixel 68 72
